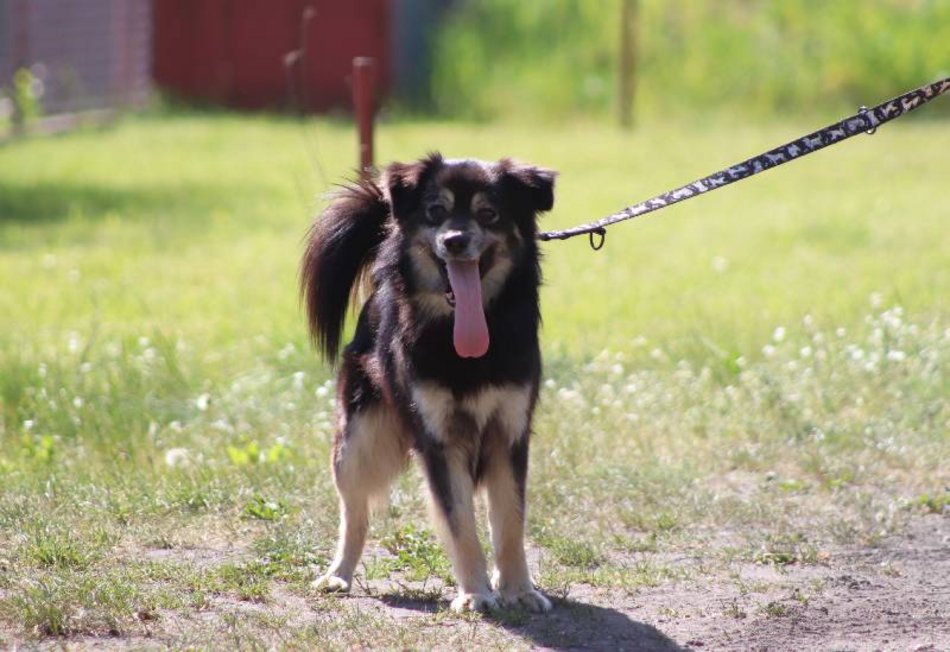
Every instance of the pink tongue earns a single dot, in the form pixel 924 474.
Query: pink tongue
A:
pixel 471 331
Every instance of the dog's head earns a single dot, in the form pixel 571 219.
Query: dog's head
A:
pixel 467 226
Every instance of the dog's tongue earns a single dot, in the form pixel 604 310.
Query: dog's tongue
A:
pixel 471 330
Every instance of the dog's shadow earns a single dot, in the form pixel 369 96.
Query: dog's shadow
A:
pixel 570 626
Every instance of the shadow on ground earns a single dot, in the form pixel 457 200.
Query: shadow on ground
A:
pixel 570 626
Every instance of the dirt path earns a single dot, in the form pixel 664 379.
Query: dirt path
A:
pixel 893 597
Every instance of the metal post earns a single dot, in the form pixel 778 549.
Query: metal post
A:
pixel 364 105
pixel 627 68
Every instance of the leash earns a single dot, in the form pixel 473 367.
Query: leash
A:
pixel 865 120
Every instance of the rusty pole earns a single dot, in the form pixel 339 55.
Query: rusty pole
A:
pixel 364 105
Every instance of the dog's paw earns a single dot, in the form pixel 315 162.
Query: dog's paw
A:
pixel 483 602
pixel 331 584
pixel 528 599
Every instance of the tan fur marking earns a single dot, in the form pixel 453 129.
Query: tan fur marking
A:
pixel 511 577
pixel 373 451
pixel 480 200
pixel 435 405
pixel 509 403
pixel 447 197
pixel 461 540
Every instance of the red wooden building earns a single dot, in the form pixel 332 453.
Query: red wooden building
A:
pixel 263 54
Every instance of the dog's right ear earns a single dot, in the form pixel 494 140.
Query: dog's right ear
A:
pixel 402 182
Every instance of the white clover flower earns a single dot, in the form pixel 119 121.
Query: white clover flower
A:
pixel 779 334
pixel 322 391
pixel 286 351
pixel 203 401
pixel 840 332
pixel 550 384
pixel 176 456
pixel 896 356
pixel 805 351
pixel 28 424
pixel 298 379
pixel 876 300
pixel 78 402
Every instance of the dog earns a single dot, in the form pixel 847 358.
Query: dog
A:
pixel 444 364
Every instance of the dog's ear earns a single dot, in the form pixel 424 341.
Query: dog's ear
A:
pixel 537 183
pixel 402 182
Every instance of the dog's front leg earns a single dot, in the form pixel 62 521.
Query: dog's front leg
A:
pixel 452 503
pixel 504 483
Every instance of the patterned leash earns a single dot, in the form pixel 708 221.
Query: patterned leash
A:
pixel 866 120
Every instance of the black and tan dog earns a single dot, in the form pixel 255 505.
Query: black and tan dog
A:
pixel 444 363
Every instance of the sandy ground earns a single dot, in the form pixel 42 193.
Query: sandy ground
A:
pixel 893 597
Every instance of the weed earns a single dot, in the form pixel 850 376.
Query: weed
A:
pixel 417 554
pixel 775 610
pixel 733 610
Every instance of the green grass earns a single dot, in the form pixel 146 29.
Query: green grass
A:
pixel 556 58
pixel 756 376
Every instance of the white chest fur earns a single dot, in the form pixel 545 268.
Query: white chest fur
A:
pixel 508 404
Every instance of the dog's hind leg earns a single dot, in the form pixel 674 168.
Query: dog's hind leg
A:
pixel 369 452
pixel 504 483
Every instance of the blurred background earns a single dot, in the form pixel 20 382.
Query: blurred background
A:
pixel 485 60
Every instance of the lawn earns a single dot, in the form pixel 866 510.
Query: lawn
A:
pixel 756 377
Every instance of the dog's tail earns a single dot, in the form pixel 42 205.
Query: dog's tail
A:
pixel 341 245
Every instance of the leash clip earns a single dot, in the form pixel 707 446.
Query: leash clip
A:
pixel 864 112
pixel 602 232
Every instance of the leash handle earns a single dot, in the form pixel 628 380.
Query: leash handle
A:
pixel 866 120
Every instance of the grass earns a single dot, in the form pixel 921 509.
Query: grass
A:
pixel 753 377
pixel 705 54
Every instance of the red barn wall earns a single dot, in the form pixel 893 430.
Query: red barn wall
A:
pixel 233 52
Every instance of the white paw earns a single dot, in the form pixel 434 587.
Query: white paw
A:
pixel 528 599
pixel 483 602
pixel 331 584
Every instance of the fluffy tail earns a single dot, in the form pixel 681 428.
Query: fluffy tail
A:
pixel 341 245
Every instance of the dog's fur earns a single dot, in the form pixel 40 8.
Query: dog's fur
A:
pixel 403 387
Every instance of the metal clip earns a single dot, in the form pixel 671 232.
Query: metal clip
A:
pixel 864 111
pixel 602 232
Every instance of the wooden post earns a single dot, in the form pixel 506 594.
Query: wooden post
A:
pixel 627 65
pixel 364 105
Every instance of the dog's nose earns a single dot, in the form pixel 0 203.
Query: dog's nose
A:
pixel 456 242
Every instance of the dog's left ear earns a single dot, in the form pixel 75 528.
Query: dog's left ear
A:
pixel 537 182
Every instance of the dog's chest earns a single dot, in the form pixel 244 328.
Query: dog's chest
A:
pixel 445 416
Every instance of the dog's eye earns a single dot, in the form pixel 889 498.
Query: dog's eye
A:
pixel 436 212
pixel 487 215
